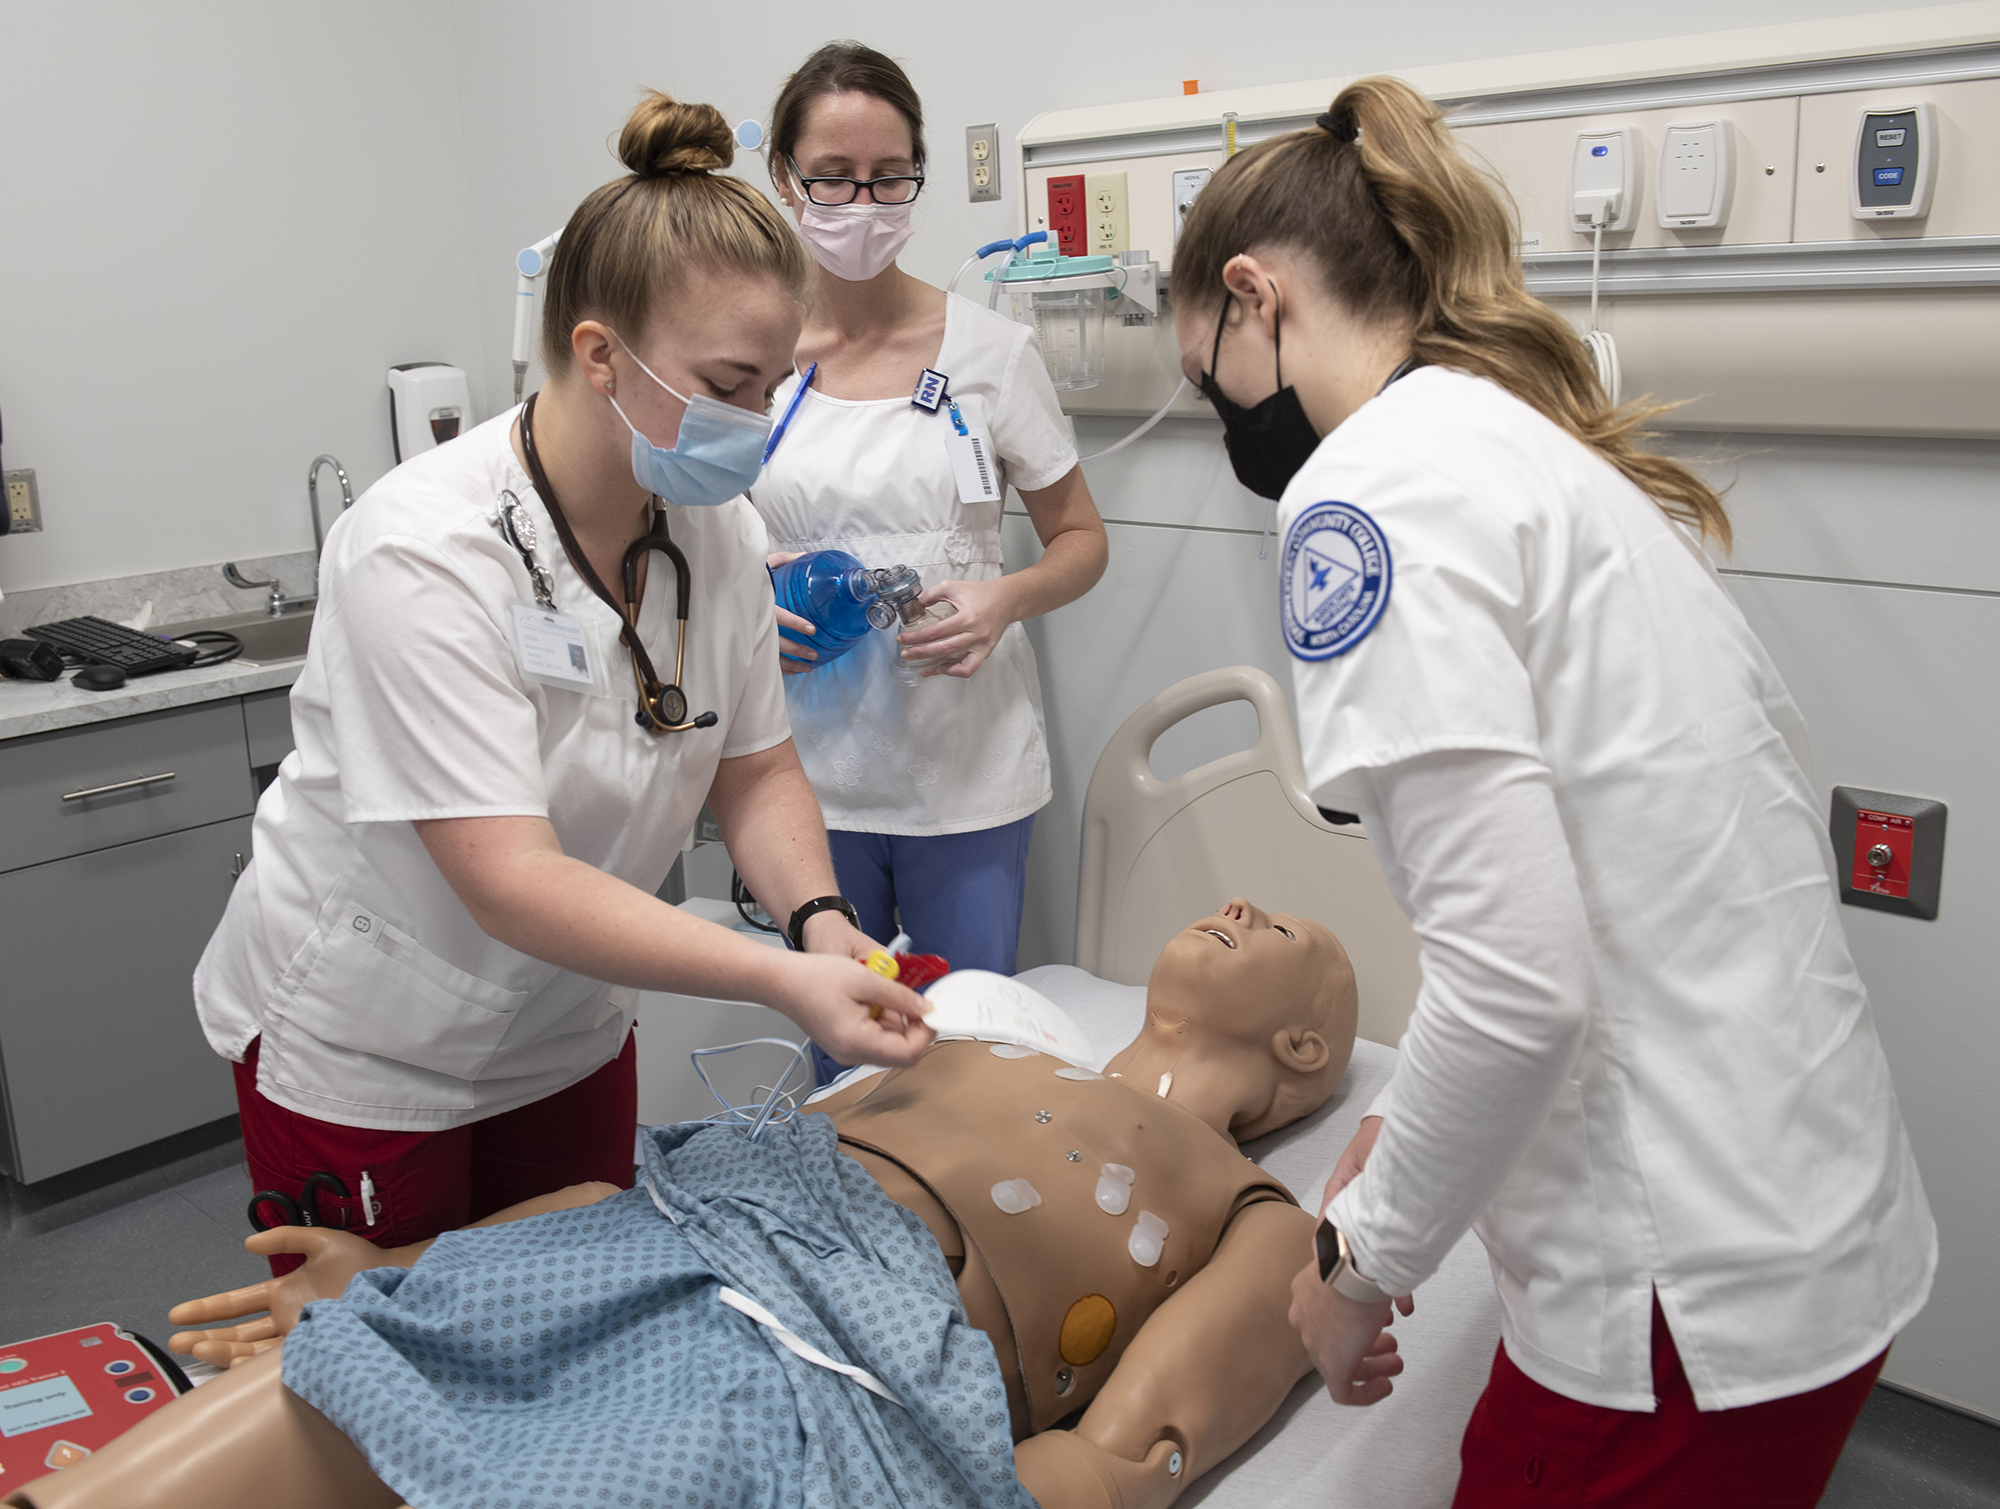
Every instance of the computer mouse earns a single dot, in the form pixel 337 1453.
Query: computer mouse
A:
pixel 98 678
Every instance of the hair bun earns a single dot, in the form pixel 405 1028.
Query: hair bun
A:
pixel 664 137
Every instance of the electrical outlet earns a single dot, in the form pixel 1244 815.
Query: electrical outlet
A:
pixel 1104 195
pixel 982 163
pixel 24 502
pixel 1066 215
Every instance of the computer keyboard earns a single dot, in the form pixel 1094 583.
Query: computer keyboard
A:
pixel 102 642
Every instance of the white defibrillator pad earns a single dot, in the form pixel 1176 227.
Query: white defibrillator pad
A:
pixel 975 1003
pixel 558 649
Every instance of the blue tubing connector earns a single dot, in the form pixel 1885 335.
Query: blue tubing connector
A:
pixel 1029 240
pixel 993 246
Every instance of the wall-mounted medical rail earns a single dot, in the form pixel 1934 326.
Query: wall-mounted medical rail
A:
pixel 1785 267
pixel 1687 91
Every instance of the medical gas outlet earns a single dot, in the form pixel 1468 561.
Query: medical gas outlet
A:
pixel 1603 174
pixel 1696 174
pixel 1895 162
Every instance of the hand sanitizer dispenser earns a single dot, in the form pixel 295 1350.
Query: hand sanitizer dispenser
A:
pixel 429 403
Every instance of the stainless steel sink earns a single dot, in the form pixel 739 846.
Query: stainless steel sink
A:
pixel 266 640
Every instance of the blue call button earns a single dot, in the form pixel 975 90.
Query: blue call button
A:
pixel 1888 177
pixel 1600 151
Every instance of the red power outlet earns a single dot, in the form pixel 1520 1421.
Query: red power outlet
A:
pixel 1066 215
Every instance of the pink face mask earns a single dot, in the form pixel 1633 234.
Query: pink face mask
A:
pixel 854 242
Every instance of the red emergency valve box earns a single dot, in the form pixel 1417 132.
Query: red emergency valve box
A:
pixel 1889 850
pixel 66 1396
pixel 1066 226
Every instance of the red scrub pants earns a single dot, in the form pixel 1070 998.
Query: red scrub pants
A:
pixel 428 1182
pixel 1528 1447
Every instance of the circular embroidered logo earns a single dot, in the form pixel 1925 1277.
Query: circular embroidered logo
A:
pixel 1336 580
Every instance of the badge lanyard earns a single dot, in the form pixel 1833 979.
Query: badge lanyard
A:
pixel 552 647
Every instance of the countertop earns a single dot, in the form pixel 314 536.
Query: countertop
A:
pixel 37 707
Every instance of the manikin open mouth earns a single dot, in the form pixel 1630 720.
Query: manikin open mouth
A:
pixel 1215 932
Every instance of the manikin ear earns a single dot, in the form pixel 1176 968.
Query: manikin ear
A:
pixel 1301 1050
pixel 592 343
pixel 1256 284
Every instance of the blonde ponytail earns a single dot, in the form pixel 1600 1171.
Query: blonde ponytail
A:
pixel 1400 224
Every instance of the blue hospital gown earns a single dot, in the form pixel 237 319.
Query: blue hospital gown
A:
pixel 583 1357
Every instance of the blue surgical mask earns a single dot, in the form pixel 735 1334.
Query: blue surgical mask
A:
pixel 717 454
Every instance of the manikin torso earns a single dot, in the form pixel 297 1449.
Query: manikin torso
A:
pixel 1057 1286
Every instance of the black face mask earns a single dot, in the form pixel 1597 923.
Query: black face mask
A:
pixel 1267 443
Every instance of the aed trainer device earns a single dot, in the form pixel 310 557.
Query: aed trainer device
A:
pixel 67 1396
pixel 1895 163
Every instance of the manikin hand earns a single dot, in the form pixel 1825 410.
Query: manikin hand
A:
pixel 984 610
pixel 331 1259
pixel 794 658
pixel 1349 1342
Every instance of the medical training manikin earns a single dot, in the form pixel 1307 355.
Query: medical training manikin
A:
pixel 1123 1257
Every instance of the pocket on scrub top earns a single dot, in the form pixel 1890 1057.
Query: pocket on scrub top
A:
pixel 375 989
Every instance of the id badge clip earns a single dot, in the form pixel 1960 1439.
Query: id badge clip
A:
pixel 972 465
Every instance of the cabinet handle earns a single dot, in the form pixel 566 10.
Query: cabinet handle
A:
pixel 144 780
pixel 236 869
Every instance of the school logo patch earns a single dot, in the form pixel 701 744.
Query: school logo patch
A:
pixel 1336 580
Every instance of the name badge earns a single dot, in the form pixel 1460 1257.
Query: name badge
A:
pixel 972 467
pixel 553 648
pixel 930 390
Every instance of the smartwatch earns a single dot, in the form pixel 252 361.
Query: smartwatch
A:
pixel 796 930
pixel 1336 1267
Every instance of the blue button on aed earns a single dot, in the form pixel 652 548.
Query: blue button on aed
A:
pixel 1600 151
pixel 1888 177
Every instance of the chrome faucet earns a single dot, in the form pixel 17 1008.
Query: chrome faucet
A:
pixel 278 603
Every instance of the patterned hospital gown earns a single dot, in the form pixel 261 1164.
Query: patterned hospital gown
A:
pixel 583 1357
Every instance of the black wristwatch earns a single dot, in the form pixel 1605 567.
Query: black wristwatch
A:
pixel 795 930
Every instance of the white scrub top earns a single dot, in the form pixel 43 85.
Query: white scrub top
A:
pixel 380 1001
pixel 872 477
pixel 1728 1134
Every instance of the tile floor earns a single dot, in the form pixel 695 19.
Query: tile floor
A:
pixel 127 1238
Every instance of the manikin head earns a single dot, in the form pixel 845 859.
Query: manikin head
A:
pixel 1249 1020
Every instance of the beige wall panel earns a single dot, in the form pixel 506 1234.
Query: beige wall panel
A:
pixel 1886 364
pixel 1965 200
pixel 1532 158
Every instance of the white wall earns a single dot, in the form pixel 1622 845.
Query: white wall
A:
pixel 223 223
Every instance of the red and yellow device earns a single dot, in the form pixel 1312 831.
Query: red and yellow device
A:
pixel 66 1396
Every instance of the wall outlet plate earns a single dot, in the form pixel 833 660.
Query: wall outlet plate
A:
pixel 1188 182
pixel 1106 214
pixel 24 502
pixel 982 163
pixel 1888 850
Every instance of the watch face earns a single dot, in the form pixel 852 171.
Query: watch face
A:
pixel 1326 1241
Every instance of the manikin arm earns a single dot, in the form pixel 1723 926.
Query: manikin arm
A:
pixel 332 1258
pixel 1204 1373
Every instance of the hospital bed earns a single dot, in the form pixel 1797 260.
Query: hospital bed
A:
pixel 1157 853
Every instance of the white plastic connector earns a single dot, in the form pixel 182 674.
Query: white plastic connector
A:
pixel 1696 175
pixel 1603 179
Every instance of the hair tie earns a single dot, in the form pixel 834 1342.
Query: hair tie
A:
pixel 1340 128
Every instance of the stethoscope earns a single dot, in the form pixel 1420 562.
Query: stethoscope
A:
pixel 663 706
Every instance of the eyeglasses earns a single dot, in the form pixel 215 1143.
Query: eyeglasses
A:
pixel 829 190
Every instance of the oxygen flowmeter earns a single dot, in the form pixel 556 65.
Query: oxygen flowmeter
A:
pixel 1895 161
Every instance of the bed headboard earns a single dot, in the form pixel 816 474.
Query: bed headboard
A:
pixel 1157 854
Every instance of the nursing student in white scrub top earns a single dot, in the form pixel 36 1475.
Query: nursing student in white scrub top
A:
pixel 1641 1063
pixel 929 791
pixel 426 977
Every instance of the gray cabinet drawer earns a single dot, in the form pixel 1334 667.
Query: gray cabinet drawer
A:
pixel 99 1044
pixel 267 719
pixel 187 766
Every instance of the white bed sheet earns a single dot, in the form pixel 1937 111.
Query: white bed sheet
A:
pixel 1403 1452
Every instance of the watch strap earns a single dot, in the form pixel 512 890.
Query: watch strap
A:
pixel 1337 1270
pixel 795 930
